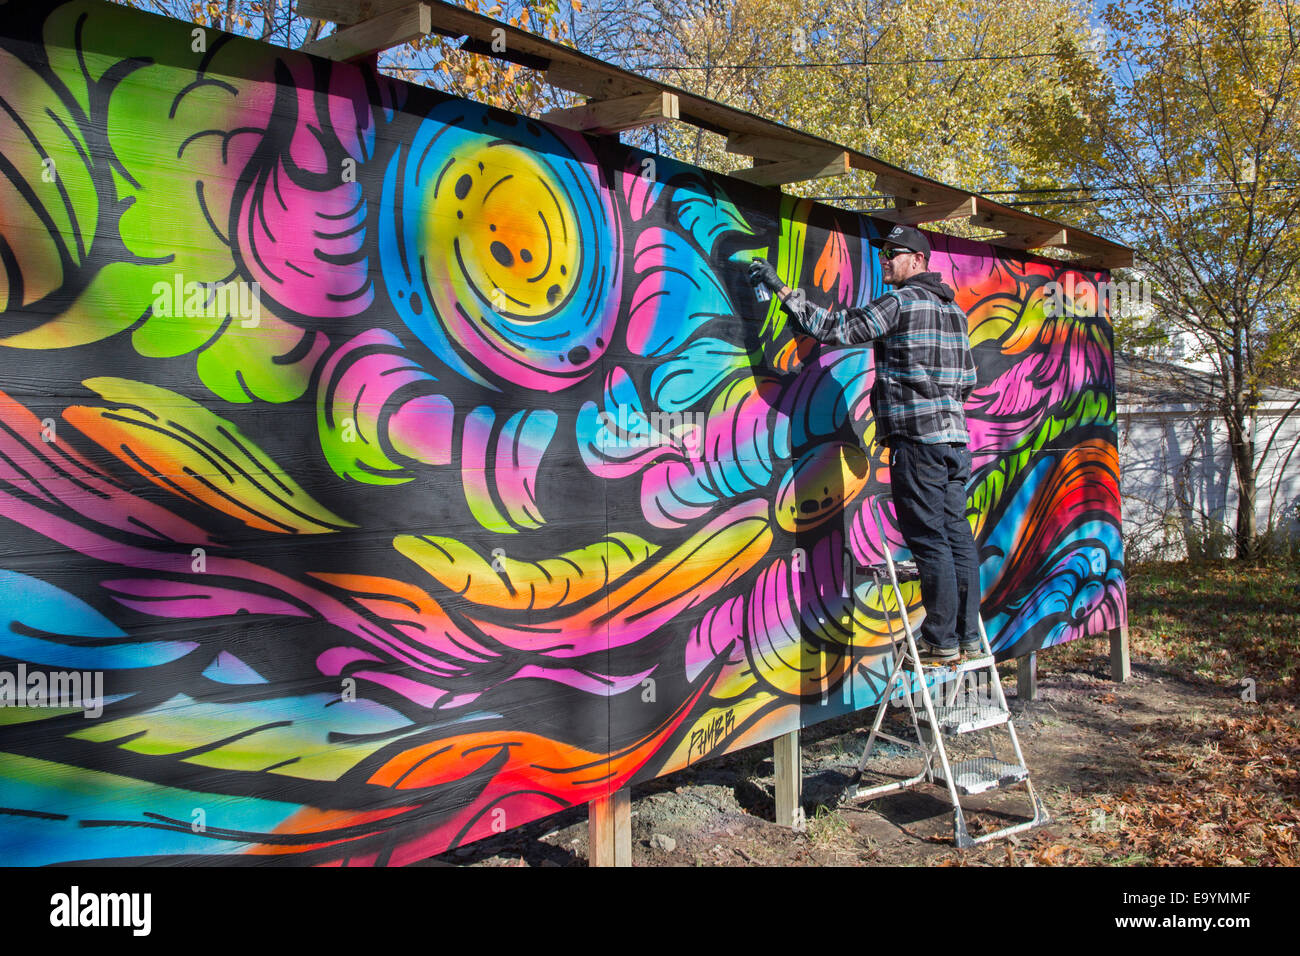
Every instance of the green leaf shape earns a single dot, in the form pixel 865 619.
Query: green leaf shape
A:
pixel 313 737
pixel 170 139
pixel 242 366
pixel 47 192
pixel 511 584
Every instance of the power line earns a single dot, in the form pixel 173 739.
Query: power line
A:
pixel 831 64
pixel 971 58
pixel 1130 185
pixel 1080 201
pixel 1166 187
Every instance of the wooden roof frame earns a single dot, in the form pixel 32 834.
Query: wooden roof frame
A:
pixel 780 154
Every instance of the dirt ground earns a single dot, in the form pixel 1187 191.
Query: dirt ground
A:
pixel 1104 757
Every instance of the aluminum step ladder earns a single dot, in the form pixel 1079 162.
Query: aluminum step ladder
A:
pixel 981 713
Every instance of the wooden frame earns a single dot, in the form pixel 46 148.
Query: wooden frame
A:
pixel 915 214
pixel 368 37
pixel 746 133
pixel 818 164
pixel 788 785
pixel 612 116
pixel 609 829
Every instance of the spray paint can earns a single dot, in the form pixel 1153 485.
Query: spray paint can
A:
pixel 761 292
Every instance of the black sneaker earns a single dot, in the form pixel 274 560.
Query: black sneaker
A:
pixel 973 648
pixel 934 654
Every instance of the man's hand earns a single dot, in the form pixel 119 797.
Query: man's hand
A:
pixel 760 270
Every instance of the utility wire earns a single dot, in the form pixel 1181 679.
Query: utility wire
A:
pixel 971 58
pixel 1160 196
pixel 1114 186
pixel 832 64
pixel 1083 189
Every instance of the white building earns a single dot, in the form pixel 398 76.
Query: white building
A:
pixel 1178 487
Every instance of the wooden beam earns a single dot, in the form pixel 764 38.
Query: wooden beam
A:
pixel 913 188
pixel 1027 677
pixel 1043 239
pixel 1020 232
pixel 1101 257
pixel 766 147
pixel 785 759
pixel 1120 669
pixel 817 165
pixel 609 829
pixel 375 35
pixel 579 79
pixel 914 214
pixel 611 116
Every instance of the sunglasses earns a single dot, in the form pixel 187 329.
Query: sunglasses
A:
pixel 889 254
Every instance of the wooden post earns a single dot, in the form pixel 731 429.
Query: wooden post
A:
pixel 785 756
pixel 609 829
pixel 372 36
pixel 612 116
pixel 1027 676
pixel 1119 662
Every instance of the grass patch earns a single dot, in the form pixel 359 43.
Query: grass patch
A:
pixel 1221 622
pixel 1224 784
pixel 826 826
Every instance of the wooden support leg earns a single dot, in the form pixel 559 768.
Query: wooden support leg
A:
pixel 1027 676
pixel 1119 663
pixel 789 805
pixel 609 829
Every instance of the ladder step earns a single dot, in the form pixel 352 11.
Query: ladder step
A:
pixel 958 665
pixel 966 718
pixel 983 773
pixel 905 570
pixel 976 662
pixel 932 722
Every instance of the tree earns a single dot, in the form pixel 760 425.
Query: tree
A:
pixel 1194 135
pixel 437 61
pixel 265 19
pixel 964 91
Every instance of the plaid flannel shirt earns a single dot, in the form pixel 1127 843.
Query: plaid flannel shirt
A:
pixel 924 368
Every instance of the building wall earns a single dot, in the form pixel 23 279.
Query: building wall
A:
pixel 1180 491
pixel 408 470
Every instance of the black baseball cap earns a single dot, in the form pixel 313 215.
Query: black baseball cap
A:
pixel 903 237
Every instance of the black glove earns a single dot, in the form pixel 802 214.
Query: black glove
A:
pixel 760 270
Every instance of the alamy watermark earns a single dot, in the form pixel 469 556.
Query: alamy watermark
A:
pixel 1131 299
pixel 82 690
pixel 212 300
pixel 656 428
pixel 77 908
pixel 974 690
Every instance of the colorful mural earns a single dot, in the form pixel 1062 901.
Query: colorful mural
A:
pixel 405 470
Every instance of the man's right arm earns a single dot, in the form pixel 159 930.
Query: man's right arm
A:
pixel 844 326
pixel 841 327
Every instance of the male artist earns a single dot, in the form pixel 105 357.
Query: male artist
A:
pixel 924 374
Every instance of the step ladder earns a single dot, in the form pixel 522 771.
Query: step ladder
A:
pixel 984 713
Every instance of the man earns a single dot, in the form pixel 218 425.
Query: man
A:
pixel 924 374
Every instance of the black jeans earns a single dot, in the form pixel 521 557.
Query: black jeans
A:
pixel 929 489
